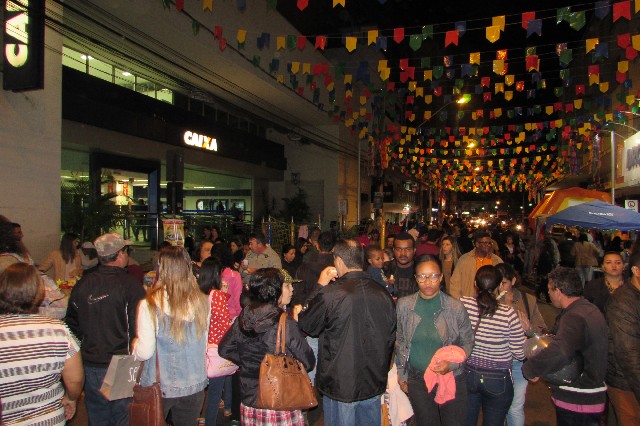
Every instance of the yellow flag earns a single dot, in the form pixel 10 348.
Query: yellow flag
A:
pixel 363 111
pixel 207 4
pixel 549 109
pixel 382 64
pixel 509 79
pixel 594 79
pixel 281 42
pixel 372 36
pixel 419 92
pixel 427 115
pixel 330 86
pixel 630 99
pixel 363 100
pixel 412 86
pixel 559 123
pixel 474 58
pixel 635 41
pixel 242 36
pixel 498 21
pixel 384 74
pixel 591 44
pixel 498 112
pixel 604 86
pixel 348 78
pixel 350 43
pixel 306 68
pixel 295 67
pixel 637 6
pixel 608 117
pixel 428 75
pixel 338 2
pixel 498 66
pixel 428 99
pixel 280 78
pixel 577 103
pixel 508 95
pixel 498 87
pixel 493 33
pixel 623 66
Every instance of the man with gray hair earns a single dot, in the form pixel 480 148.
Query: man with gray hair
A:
pixel 102 314
pixel 356 320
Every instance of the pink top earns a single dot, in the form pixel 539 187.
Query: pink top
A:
pixel 234 280
pixel 446 382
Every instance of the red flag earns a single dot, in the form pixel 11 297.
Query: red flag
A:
pixel 302 4
pixel 302 41
pixel 526 17
pixel 398 35
pixel 321 42
pixel 451 38
pixel 622 9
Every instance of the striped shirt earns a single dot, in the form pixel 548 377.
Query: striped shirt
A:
pixel 498 339
pixel 33 350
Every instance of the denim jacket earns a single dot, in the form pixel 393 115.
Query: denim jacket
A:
pixel 182 366
pixel 451 321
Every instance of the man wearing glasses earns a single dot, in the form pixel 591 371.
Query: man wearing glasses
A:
pixel 465 272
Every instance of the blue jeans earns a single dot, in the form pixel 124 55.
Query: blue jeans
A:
pixel 214 393
pixel 493 391
pixel 313 342
pixel 515 416
pixel 571 418
pixel 359 413
pixel 100 410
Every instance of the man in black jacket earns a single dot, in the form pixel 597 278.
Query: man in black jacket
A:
pixel 356 320
pixel 102 314
pixel 580 331
pixel 623 372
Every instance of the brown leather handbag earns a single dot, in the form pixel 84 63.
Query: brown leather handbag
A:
pixel 284 384
pixel 146 408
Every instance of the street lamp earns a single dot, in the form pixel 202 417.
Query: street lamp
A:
pixel 461 100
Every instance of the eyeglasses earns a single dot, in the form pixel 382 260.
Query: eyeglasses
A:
pixel 431 277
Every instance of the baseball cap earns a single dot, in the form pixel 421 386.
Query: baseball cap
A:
pixel 109 244
pixel 287 277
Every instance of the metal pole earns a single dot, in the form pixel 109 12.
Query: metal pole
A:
pixel 359 190
pixel 613 168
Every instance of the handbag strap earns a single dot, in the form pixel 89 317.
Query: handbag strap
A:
pixel 281 334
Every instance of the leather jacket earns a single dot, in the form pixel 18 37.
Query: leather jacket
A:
pixel 451 321
pixel 623 317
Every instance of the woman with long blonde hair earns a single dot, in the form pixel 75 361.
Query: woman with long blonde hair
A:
pixel 449 254
pixel 172 324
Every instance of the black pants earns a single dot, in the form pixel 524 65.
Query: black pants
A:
pixel 427 412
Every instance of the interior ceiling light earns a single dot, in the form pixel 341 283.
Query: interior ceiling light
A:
pixel 126 73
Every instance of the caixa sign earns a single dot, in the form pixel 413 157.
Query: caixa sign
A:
pixel 23 45
pixel 200 141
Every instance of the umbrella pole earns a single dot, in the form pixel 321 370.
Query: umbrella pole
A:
pixel 613 168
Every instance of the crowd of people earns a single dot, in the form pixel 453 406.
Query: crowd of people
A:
pixel 447 307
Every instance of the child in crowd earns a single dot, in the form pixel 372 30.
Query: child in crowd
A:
pixel 375 260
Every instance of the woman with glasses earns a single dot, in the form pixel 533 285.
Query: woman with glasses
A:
pixel 498 338
pixel 427 321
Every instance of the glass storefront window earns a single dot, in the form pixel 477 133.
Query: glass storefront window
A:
pixel 124 78
pixel 100 69
pixel 74 59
